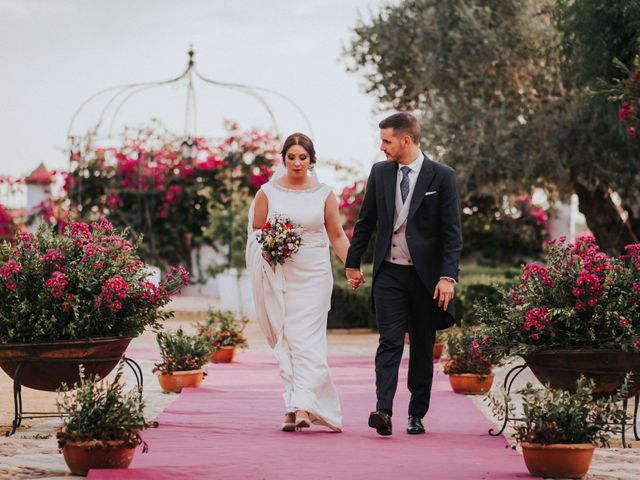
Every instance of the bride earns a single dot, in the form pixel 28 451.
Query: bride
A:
pixel 292 300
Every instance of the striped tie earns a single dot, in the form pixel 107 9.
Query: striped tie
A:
pixel 404 183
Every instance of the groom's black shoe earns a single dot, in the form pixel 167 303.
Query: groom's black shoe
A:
pixel 381 421
pixel 415 426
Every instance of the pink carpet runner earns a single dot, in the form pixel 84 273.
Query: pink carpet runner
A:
pixel 229 428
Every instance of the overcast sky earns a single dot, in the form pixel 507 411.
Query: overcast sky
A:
pixel 56 53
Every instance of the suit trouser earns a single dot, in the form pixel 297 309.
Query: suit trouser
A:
pixel 403 304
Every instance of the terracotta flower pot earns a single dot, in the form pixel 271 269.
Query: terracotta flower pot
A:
pixel 83 456
pixel 176 381
pixel 558 460
pixel 470 383
pixel 223 355
pixel 437 350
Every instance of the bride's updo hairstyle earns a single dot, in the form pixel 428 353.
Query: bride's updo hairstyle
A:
pixel 302 140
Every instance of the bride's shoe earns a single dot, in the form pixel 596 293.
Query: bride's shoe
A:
pixel 289 422
pixel 302 420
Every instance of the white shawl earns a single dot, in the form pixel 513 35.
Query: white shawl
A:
pixel 268 287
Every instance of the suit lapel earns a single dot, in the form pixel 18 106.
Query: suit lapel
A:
pixel 390 180
pixel 424 179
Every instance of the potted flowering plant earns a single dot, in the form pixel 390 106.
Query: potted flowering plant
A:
pixel 559 429
pixel 223 332
pixel 80 294
pixel 102 426
pixel 579 313
pixel 182 359
pixel 471 359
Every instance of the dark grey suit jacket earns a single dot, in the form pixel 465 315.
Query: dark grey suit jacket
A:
pixel 433 228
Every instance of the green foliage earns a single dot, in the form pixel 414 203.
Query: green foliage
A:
pixel 181 352
pixel 87 282
pixel 351 308
pixel 501 86
pixel 228 224
pixel 222 328
pixel 557 416
pixel 478 283
pixel 504 232
pixel 100 410
pixel 470 351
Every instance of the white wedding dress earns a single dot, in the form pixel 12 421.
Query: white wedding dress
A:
pixel 292 302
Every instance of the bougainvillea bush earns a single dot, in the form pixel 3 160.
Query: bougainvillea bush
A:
pixel 87 282
pixel 581 298
pixel 8 225
pixel 163 187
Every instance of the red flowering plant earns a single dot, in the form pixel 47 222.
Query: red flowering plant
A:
pixel 222 328
pixel 470 351
pixel 8 225
pixel 350 200
pixel 155 178
pixel 581 297
pixel 87 282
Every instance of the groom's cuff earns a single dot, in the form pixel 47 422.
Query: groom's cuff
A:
pixel 449 278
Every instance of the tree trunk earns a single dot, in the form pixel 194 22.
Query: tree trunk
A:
pixel 603 219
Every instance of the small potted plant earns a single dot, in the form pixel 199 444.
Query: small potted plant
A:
pixel 438 346
pixel 182 359
pixel 224 332
pixel 102 429
pixel 559 429
pixel 471 360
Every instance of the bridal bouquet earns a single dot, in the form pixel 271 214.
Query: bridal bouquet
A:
pixel 280 239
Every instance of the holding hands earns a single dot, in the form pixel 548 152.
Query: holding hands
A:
pixel 355 277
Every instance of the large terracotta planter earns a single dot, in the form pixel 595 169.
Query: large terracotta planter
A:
pixel 561 368
pixel 558 460
pixel 176 381
pixel 47 364
pixel 470 383
pixel 83 456
pixel 223 355
pixel 437 350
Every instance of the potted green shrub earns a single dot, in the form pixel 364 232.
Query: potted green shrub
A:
pixel 82 294
pixel 103 424
pixel 223 331
pixel 471 360
pixel 182 359
pixel 559 429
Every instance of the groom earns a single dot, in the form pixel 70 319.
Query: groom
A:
pixel 412 203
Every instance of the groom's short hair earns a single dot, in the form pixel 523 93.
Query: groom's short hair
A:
pixel 403 122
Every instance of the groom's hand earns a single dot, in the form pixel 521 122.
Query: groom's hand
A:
pixel 444 292
pixel 355 277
